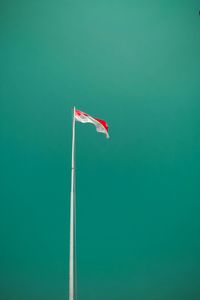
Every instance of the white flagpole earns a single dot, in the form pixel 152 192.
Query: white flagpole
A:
pixel 72 218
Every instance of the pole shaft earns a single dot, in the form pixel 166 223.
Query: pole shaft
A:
pixel 72 216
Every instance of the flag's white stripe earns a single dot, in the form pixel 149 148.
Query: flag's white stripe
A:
pixel 89 119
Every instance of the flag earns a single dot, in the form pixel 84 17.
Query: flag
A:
pixel 101 125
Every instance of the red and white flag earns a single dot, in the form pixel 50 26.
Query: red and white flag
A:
pixel 101 125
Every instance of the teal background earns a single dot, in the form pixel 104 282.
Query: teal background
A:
pixel 135 64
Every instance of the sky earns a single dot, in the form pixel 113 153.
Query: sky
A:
pixel 136 65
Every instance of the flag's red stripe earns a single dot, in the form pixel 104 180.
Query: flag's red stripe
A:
pixel 79 113
pixel 105 125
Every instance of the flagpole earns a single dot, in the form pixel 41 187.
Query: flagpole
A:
pixel 72 217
